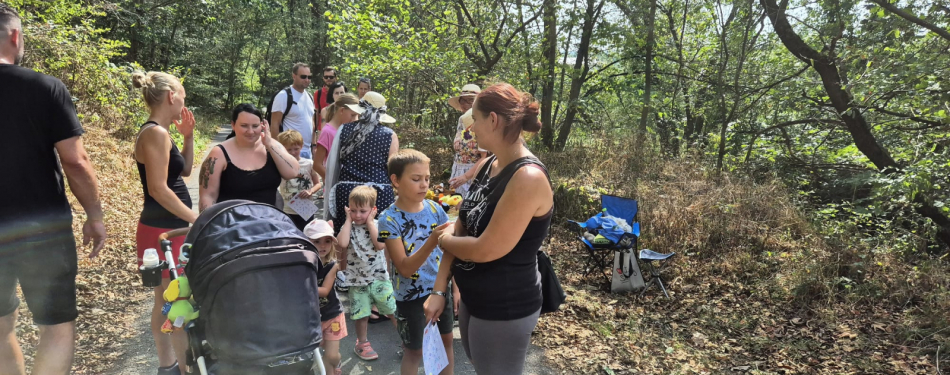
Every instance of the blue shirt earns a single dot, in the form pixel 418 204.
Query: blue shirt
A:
pixel 414 229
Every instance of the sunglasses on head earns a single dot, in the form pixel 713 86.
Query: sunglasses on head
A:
pixel 305 76
pixel 329 77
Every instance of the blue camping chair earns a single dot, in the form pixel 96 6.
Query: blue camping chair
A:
pixel 600 255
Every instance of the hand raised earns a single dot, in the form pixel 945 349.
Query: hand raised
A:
pixel 186 125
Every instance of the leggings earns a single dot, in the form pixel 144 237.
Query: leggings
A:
pixel 496 347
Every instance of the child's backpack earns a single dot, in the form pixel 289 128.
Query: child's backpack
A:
pixel 254 278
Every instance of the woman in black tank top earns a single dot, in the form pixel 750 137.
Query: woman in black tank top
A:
pixel 249 166
pixel 502 224
pixel 167 204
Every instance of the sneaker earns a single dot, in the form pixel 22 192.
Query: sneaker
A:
pixel 365 352
pixel 170 370
pixel 340 284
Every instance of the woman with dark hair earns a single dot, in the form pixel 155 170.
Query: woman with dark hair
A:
pixel 359 155
pixel 493 251
pixel 249 166
pixel 335 91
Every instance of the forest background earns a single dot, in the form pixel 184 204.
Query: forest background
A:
pixel 793 153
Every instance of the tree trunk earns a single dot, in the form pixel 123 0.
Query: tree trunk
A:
pixel 648 77
pixel 842 101
pixel 550 62
pixel 319 51
pixel 579 74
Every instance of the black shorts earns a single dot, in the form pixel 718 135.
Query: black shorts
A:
pixel 411 320
pixel 46 270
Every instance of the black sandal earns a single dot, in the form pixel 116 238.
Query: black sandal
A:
pixel 378 318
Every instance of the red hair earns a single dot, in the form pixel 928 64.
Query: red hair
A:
pixel 519 109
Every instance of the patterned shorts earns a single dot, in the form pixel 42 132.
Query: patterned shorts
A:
pixel 362 298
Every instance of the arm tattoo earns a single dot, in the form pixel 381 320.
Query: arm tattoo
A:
pixel 274 150
pixel 207 168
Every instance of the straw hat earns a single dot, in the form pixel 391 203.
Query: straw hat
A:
pixel 467 90
pixel 467 119
pixel 376 100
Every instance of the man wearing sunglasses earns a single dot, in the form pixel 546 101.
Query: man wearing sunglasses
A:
pixel 330 77
pixel 300 111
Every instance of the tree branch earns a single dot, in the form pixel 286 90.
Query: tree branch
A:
pixel 912 18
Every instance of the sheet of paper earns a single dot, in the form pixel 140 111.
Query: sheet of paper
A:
pixel 434 358
pixel 303 206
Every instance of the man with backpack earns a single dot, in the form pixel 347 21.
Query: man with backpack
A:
pixel 293 109
pixel 320 96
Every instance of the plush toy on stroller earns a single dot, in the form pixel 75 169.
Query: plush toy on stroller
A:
pixel 253 282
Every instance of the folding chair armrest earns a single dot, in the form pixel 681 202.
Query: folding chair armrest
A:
pixel 577 226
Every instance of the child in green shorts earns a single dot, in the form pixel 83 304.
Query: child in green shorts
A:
pixel 364 264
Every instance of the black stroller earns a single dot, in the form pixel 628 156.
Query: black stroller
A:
pixel 253 276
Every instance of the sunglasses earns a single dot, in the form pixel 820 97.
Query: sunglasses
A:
pixel 329 77
pixel 305 76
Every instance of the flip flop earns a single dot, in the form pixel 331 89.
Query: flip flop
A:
pixel 378 318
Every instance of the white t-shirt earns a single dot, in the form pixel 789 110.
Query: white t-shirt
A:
pixel 300 117
pixel 290 188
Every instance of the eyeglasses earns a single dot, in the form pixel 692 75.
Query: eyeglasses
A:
pixel 305 76
pixel 329 77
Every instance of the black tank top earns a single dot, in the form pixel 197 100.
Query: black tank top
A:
pixel 259 185
pixel 330 306
pixel 153 214
pixel 509 287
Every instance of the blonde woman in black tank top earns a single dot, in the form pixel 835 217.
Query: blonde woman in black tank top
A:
pixel 249 166
pixel 167 203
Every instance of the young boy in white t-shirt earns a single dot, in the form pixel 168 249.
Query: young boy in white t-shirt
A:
pixel 306 184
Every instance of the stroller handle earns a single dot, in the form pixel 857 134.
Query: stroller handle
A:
pixel 174 233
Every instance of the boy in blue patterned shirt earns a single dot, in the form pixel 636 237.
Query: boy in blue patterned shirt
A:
pixel 411 228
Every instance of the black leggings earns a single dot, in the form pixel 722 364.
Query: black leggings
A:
pixel 496 347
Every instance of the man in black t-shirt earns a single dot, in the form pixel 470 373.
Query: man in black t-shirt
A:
pixel 37 249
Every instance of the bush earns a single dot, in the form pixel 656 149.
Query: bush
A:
pixel 62 41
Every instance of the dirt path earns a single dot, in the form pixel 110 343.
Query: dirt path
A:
pixel 139 357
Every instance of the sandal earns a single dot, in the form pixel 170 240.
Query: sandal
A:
pixel 365 352
pixel 170 370
pixel 374 317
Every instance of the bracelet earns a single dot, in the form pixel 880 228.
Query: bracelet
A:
pixel 440 243
pixel 439 293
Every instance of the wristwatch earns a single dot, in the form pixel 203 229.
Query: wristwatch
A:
pixel 439 293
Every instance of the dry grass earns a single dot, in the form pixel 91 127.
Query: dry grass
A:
pixel 757 287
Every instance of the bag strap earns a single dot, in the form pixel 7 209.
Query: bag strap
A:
pixel 290 103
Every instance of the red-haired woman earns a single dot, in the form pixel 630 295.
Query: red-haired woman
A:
pixel 502 223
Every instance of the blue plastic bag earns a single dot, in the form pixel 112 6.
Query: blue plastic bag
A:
pixel 605 227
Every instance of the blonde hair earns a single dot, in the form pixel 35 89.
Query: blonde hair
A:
pixel 290 138
pixel 344 99
pixel 363 196
pixel 154 85
pixel 332 254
